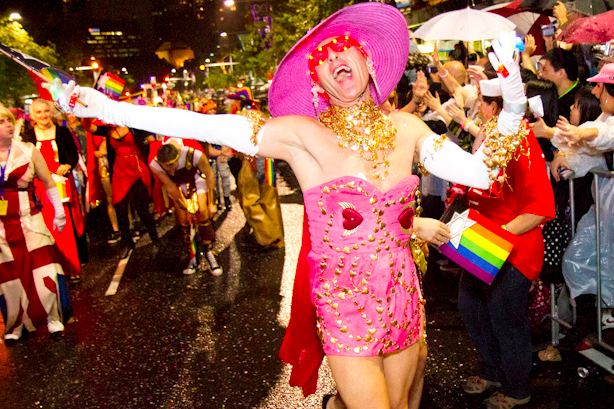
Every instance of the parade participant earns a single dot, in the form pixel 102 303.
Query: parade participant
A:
pixel 130 183
pixel 188 179
pixel 99 179
pixel 495 314
pixel 59 150
pixel 258 200
pixel 33 291
pixel 358 190
pixel 219 162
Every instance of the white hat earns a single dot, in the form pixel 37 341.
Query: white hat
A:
pixel 491 88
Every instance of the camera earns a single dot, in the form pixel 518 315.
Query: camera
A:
pixel 548 29
pixel 432 69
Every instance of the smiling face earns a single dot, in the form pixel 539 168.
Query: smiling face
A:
pixel 41 114
pixel 341 73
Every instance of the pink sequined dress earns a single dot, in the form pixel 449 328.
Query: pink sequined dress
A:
pixel 363 279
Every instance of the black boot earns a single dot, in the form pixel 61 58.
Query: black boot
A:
pixel 227 203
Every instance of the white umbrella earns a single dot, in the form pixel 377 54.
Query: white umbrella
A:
pixel 464 25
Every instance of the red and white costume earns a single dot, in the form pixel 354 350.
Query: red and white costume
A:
pixel 32 285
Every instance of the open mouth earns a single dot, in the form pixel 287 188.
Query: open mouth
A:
pixel 340 70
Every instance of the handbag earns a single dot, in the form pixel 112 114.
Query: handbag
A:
pixel 478 244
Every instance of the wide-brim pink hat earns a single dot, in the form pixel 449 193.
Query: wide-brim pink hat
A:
pixel 380 29
pixel 605 75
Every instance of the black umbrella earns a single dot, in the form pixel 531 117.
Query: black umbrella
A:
pixel 587 7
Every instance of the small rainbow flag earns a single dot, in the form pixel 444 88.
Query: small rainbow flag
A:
pixel 478 245
pixel 269 172
pixel 61 183
pixel 192 242
pixel 111 85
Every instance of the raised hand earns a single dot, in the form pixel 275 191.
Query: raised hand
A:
pixel 476 74
pixel 529 45
pixel 457 114
pixel 420 86
pixel 572 134
pixel 432 101
pixel 66 95
pixel 560 12
pixel 435 55
pixel 505 62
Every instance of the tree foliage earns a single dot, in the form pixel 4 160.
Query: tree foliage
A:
pixel 291 19
pixel 15 82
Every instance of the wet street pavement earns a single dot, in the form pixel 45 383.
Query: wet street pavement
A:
pixel 171 341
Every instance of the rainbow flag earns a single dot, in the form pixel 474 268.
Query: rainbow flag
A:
pixel 269 172
pixel 478 245
pixel 111 85
pixel 53 73
pixel 40 71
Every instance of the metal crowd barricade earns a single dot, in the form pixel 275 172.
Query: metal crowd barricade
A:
pixel 554 309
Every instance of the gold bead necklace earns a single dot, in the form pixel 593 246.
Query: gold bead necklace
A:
pixel 363 129
pixel 500 149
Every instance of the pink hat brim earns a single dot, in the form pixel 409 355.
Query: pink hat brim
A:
pixel 381 30
pixel 605 75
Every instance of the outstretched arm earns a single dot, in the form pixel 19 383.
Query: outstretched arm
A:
pixel 236 131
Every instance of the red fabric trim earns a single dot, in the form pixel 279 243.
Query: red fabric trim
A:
pixel 301 346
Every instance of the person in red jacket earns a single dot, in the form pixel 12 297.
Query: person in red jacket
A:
pixel 495 314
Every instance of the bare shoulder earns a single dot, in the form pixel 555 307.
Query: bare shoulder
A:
pixel 409 126
pixel 402 119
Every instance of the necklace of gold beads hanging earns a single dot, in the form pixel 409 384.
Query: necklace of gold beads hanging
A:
pixel 363 129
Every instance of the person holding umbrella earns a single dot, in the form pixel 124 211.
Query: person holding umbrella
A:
pixel 353 165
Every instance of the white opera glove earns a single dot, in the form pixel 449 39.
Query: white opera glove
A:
pixel 505 61
pixel 446 160
pixel 234 131
pixel 59 220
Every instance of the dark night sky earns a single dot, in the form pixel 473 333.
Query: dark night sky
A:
pixel 45 20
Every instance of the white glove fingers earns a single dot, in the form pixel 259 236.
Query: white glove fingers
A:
pixel 494 61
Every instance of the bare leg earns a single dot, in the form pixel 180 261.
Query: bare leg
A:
pixel 376 382
pixel 400 370
pixel 106 185
pixel 415 392
pixel 361 382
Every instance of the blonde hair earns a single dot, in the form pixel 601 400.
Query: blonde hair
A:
pixel 6 114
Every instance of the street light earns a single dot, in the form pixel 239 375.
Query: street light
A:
pixel 229 3
pixel 15 16
pixel 223 34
